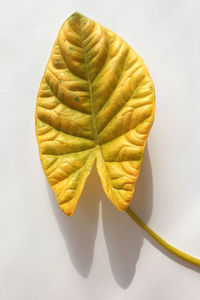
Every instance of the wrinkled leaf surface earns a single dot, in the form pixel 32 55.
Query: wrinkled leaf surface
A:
pixel 96 100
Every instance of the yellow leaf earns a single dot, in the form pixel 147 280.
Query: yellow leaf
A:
pixel 96 100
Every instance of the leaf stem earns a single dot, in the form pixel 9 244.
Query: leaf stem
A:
pixel 162 242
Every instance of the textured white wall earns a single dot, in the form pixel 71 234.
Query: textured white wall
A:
pixel 100 254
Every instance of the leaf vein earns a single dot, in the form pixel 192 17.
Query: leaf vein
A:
pixel 61 102
pixel 121 106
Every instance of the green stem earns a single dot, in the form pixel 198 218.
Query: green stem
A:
pixel 175 251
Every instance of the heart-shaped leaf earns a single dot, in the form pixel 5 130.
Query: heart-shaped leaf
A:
pixel 96 100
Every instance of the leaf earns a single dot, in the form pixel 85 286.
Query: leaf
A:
pixel 96 100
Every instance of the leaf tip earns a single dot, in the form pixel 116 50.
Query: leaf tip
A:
pixel 76 16
pixel 67 210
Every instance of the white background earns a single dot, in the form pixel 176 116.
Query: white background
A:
pixel 99 253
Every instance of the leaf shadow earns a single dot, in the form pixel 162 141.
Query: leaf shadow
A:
pixel 123 237
pixel 79 231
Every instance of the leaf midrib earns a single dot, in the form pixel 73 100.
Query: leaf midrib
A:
pixel 93 116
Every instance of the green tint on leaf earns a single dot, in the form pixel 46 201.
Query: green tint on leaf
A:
pixel 96 100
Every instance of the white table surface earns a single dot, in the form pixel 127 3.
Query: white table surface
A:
pixel 99 253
